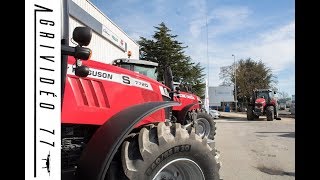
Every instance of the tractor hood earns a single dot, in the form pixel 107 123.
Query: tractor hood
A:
pixel 260 101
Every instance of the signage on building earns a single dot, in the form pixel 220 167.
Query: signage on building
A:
pixel 113 38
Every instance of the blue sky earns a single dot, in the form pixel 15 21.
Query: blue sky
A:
pixel 263 30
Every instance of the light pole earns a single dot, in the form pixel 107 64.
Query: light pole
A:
pixel 235 82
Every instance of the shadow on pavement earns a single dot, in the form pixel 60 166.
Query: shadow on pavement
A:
pixel 275 171
pixel 287 116
pixel 282 134
pixel 235 118
pixel 290 135
pixel 228 118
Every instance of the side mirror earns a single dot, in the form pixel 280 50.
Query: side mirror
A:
pixel 82 53
pixel 185 88
pixel 82 71
pixel 82 35
pixel 168 77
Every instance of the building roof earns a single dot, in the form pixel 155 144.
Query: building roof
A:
pixel 134 61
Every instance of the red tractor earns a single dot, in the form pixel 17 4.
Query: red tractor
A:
pixel 189 113
pixel 204 124
pixel 262 103
pixel 115 123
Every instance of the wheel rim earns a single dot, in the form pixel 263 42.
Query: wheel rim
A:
pixel 180 169
pixel 203 127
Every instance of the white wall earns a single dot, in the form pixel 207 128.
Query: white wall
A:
pixel 104 50
pixel 218 94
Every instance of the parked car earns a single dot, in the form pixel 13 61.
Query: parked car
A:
pixel 293 107
pixel 214 113
pixel 282 106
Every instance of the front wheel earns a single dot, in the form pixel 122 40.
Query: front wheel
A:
pixel 250 115
pixel 270 113
pixel 205 127
pixel 168 151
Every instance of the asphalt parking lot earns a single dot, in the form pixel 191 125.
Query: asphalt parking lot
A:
pixel 253 150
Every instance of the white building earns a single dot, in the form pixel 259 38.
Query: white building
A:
pixel 108 41
pixel 218 94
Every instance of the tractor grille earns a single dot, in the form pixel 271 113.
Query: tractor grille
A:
pixel 71 149
pixel 258 110
pixel 73 141
pixel 89 92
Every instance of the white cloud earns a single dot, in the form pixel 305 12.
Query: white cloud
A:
pixel 276 47
pixel 231 13
pixel 219 20
pixel 198 18
pixel 228 19
pixel 287 84
pixel 284 32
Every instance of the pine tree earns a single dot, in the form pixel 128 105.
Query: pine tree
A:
pixel 167 51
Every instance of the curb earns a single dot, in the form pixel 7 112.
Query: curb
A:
pixel 243 115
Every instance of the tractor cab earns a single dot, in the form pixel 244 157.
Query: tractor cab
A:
pixel 146 68
pixel 261 94
pixel 262 98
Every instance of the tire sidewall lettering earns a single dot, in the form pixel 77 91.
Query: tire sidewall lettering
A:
pixel 167 154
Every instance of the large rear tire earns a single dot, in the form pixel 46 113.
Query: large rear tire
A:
pixel 206 126
pixel 250 115
pixel 270 113
pixel 168 151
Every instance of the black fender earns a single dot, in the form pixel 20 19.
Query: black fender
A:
pixel 98 154
pixel 182 114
